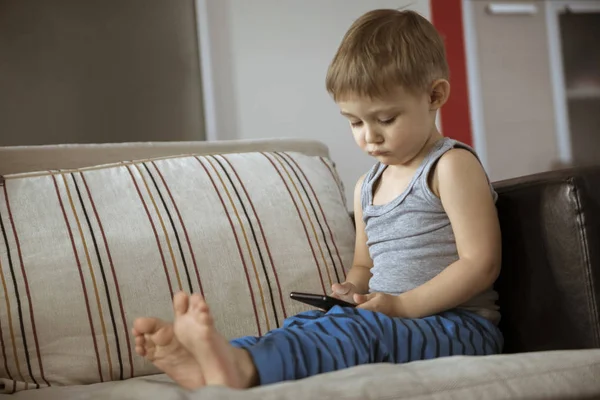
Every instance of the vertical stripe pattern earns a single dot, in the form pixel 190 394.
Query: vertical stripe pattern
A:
pixel 13 337
pixel 23 275
pixel 109 300
pixel 84 252
pixel 241 224
pixel 238 245
pixel 253 231
pixel 164 232
pixel 81 278
pixel 11 331
pixel 155 232
pixel 92 275
pixel 264 239
pixel 307 215
pixel 185 232
pixel 328 239
pixel 113 274
pixel 300 217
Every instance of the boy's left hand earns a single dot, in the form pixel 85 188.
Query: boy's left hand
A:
pixel 379 302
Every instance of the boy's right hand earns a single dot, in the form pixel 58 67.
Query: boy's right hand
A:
pixel 344 291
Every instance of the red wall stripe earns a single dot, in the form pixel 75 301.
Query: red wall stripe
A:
pixel 446 16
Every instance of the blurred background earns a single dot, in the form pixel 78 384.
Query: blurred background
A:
pixel 525 75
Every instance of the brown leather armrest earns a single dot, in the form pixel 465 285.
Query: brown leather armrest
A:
pixel 550 281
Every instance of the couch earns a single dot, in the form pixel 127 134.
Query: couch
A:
pixel 90 241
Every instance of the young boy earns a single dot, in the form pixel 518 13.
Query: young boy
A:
pixel 427 235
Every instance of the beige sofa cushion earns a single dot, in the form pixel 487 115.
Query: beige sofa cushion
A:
pixel 84 252
pixel 554 375
pixel 19 159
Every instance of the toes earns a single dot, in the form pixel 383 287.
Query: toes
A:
pixel 163 336
pixel 205 318
pixel 198 304
pixel 195 301
pixel 180 303
pixel 140 350
pixel 199 310
pixel 140 345
pixel 140 340
pixel 147 325
pixel 148 342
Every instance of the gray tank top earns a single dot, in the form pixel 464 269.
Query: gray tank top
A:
pixel 410 239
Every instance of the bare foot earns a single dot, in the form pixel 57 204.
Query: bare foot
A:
pixel 155 339
pixel 221 363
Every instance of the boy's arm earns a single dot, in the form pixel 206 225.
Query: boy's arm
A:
pixel 466 197
pixel 360 273
pixel 463 188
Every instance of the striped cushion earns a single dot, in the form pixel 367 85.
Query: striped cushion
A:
pixel 84 252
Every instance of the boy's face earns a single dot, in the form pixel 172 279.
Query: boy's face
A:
pixel 393 128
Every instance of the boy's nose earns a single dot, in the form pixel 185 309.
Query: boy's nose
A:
pixel 371 135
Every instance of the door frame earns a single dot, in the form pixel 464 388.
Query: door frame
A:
pixel 206 71
pixel 474 83
pixel 559 89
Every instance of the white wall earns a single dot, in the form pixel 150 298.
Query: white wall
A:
pixel 269 59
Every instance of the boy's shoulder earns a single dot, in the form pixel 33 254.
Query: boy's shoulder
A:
pixel 456 167
pixel 457 158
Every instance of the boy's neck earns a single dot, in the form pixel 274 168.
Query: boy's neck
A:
pixel 414 163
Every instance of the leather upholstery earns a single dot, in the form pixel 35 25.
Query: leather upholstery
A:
pixel 550 281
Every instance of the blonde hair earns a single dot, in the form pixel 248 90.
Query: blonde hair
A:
pixel 384 49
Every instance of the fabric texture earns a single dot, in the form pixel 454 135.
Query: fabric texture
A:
pixel 555 375
pixel 84 252
pixel 410 239
pixel 21 159
pixel 315 342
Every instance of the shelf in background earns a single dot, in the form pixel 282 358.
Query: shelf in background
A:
pixel 592 92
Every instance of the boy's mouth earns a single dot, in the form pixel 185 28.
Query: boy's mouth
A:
pixel 377 153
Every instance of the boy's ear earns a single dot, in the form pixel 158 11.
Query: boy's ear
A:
pixel 440 91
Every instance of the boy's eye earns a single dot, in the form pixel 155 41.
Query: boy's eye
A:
pixel 388 121
pixel 355 124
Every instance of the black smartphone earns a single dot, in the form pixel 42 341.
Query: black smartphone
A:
pixel 320 301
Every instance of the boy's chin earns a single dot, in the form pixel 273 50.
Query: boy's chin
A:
pixel 387 157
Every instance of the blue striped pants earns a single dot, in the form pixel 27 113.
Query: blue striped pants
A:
pixel 315 342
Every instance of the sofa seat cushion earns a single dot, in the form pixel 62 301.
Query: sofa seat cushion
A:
pixel 84 252
pixel 544 376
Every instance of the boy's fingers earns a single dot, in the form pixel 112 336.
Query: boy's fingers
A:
pixel 340 288
pixel 363 298
pixel 360 298
pixel 366 305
